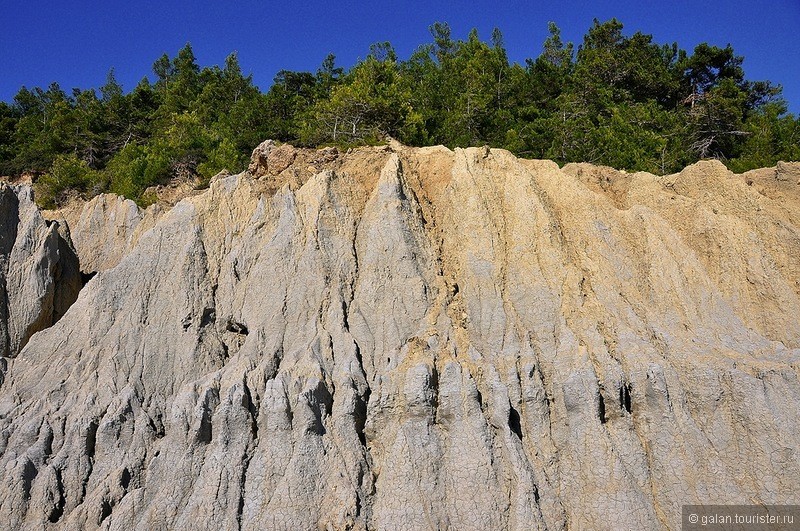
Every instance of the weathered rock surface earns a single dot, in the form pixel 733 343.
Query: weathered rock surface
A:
pixel 417 339
pixel 104 229
pixel 39 277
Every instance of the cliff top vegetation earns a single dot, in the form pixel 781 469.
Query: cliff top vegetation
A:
pixel 615 99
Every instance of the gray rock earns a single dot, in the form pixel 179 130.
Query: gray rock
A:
pixel 788 171
pixel 39 274
pixel 259 160
pixel 462 340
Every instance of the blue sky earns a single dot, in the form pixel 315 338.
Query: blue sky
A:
pixel 76 42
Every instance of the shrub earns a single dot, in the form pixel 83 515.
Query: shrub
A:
pixel 68 173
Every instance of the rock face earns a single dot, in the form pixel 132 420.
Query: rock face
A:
pixel 418 339
pixel 39 277
pixel 105 229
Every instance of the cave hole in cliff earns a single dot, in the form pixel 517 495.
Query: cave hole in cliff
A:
pixel 321 402
pixel 360 415
pixel 625 397
pixel 29 473
pixel 208 317
pixel 514 422
pixel 86 277
pixel 105 511
pixel 125 478
pixel 91 439
pixel 58 509
pixel 345 319
pixel 601 408
pixel 57 512
pixel 205 432
pixel 157 426
pixel 236 327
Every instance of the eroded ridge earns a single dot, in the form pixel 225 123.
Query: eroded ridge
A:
pixel 397 338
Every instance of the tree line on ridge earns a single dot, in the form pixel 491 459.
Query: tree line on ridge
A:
pixel 618 100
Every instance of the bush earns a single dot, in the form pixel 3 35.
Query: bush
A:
pixel 68 173
pixel 135 168
pixel 223 157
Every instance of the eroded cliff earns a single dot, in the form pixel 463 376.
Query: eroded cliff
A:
pixel 39 276
pixel 397 338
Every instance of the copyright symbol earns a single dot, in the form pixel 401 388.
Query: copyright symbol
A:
pixel 692 518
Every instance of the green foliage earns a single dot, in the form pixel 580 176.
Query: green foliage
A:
pixel 67 174
pixel 772 136
pixel 135 168
pixel 617 99
pixel 45 129
pixel 368 104
pixel 224 156
pixel 8 123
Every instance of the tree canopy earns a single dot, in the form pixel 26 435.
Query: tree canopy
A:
pixel 615 99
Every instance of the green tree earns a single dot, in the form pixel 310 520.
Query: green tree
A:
pixel 68 174
pixel 8 123
pixel 178 80
pixel 164 71
pixel 369 103
pixel 111 90
pixel 445 47
pixel 290 97
pixel 133 169
pixel 45 129
pixel 773 135
pixel 224 156
pixel 471 86
pixel 536 91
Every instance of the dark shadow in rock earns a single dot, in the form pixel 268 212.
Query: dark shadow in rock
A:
pixel 236 327
pixel 514 422
pixel 625 397
pixel 601 408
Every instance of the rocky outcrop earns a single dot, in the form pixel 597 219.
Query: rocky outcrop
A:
pixel 418 339
pixel 105 229
pixel 39 277
pixel 788 171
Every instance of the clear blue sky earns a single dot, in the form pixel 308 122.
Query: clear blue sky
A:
pixel 76 42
